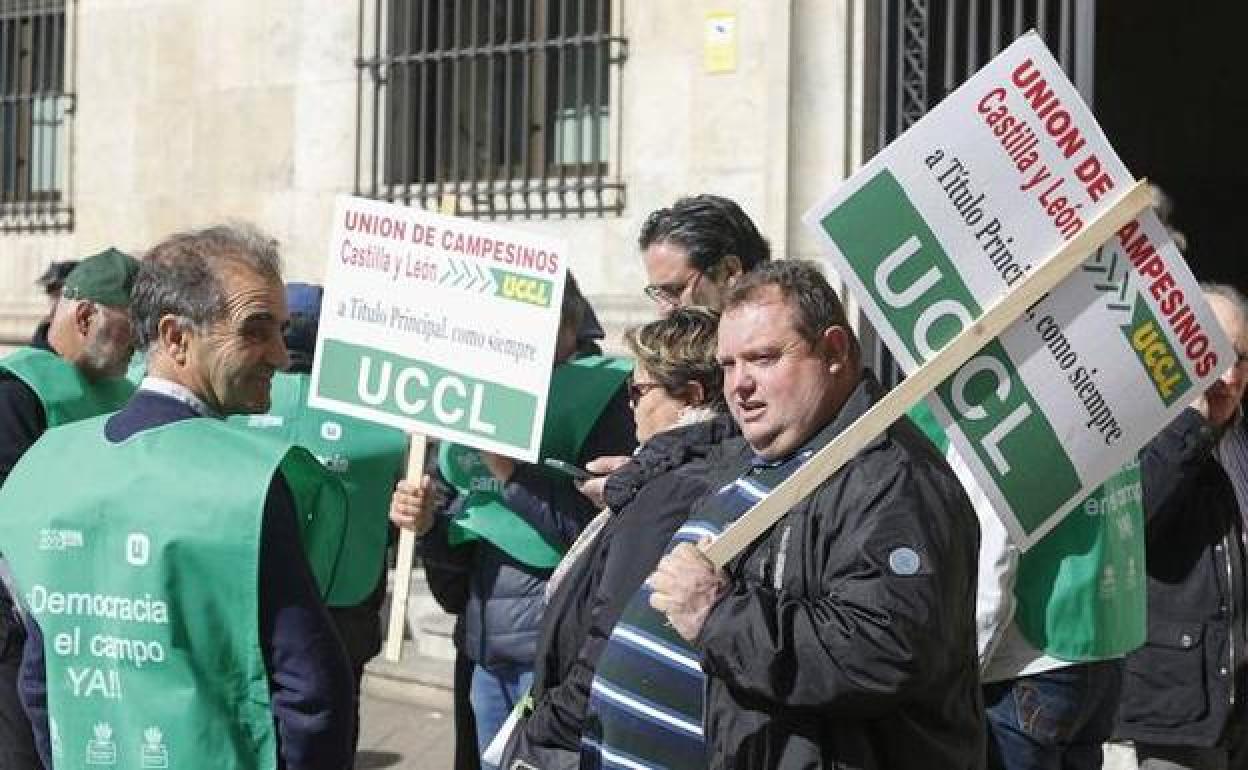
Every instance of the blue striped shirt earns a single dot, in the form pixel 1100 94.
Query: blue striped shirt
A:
pixel 645 703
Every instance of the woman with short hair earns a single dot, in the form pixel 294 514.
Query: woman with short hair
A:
pixel 678 403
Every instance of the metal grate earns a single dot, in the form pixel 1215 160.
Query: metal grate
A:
pixel 503 105
pixel 35 117
pixel 927 48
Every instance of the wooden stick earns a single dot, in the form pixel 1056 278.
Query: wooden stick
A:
pixel 401 586
pixel 889 409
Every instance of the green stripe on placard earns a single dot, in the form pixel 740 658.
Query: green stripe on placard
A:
pixel 897 257
pixel 420 391
pixel 876 223
pixel 1013 439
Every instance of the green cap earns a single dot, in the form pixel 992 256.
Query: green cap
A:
pixel 105 278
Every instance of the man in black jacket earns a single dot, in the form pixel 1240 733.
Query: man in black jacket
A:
pixel 845 637
pixel 1183 691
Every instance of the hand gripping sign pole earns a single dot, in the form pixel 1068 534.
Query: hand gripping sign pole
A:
pixel 403 560
pixel 889 409
pixel 402 585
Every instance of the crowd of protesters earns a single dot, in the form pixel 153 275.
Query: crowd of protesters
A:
pixel 885 621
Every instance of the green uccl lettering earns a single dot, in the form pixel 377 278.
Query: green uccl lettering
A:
pixel 897 257
pixel 909 274
pixel 417 390
pixel 1011 436
pixel 1156 355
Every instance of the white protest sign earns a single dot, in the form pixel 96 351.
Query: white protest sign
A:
pixel 948 217
pixel 439 325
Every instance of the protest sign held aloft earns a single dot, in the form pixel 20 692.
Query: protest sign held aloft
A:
pixel 959 209
pixel 439 325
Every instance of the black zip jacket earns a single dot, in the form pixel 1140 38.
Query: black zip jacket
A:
pixel 650 498
pixel 1179 688
pixel 847 637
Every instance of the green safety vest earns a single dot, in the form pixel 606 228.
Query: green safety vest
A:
pixel 66 395
pixel 579 391
pixel 143 577
pixel 366 457
pixel 1081 590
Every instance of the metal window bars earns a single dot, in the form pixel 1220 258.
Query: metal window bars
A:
pixel 36 115
pixel 505 105
pixel 927 48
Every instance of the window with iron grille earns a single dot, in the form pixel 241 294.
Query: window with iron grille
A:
pixel 34 117
pixel 505 106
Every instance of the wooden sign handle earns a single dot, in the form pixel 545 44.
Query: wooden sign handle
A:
pixel 401 586
pixel 889 409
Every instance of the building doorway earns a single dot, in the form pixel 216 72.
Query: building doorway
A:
pixel 1170 94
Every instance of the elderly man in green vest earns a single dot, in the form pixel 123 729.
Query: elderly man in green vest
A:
pixel 70 373
pixel 173 591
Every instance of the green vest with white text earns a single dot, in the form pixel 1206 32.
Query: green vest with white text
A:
pixel 143 578
pixel 66 395
pixel 580 390
pixel 366 457
pixel 1081 590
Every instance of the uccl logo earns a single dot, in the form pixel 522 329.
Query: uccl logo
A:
pixel 1156 355
pixel 138 549
pixel 1110 272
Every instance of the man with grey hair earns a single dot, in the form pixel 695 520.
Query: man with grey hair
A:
pixel 69 372
pixel 168 596
pixel 1183 691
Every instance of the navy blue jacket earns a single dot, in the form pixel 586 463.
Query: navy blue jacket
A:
pixel 310 682
pixel 505 599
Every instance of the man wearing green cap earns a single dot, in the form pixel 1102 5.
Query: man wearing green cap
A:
pixel 189 556
pixel 75 376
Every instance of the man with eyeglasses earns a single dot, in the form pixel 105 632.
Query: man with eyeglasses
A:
pixel 1183 691
pixel 693 252
pixel 696 249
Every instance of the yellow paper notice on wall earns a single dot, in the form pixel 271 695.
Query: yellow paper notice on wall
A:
pixel 719 48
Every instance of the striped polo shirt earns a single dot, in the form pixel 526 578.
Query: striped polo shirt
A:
pixel 645 703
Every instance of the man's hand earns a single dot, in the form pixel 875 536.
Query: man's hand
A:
pixel 686 586
pixel 499 466
pixel 596 488
pixel 411 506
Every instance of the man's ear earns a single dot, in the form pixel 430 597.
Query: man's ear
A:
pixel 696 394
pixel 173 337
pixel 83 311
pixel 838 347
pixel 730 269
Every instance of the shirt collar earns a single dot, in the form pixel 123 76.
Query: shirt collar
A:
pixel 178 392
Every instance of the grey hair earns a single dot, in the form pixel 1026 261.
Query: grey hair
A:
pixel 181 275
pixel 1228 293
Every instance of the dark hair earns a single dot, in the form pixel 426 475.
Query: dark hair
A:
pixel 710 228
pixel 816 307
pixel 572 313
pixel 300 337
pixel 680 349
pixel 181 276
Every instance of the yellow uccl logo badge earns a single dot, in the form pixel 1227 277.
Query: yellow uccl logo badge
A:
pixel 1155 353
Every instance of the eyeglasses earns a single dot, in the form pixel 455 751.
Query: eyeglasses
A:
pixel 669 294
pixel 638 390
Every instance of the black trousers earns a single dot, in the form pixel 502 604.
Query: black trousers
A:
pixel 17 743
